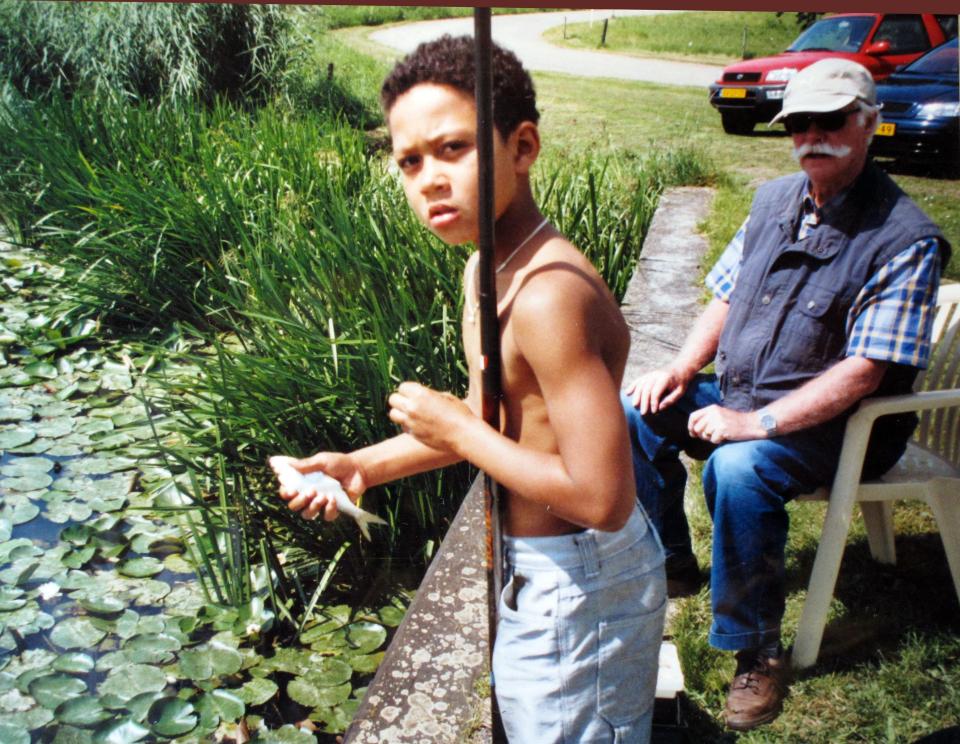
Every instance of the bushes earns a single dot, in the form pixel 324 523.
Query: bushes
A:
pixel 145 51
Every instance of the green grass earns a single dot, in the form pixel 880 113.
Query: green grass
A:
pixel 888 668
pixel 347 16
pixel 715 37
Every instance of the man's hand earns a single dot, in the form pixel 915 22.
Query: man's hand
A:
pixel 307 501
pixel 657 390
pixel 718 424
pixel 435 419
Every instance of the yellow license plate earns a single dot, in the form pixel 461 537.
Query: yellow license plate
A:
pixel 733 92
pixel 886 129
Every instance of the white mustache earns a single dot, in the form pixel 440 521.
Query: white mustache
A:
pixel 820 148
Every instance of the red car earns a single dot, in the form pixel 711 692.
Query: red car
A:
pixel 752 91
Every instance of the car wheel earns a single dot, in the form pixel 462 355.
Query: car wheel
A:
pixel 737 122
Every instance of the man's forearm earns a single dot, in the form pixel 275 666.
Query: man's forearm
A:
pixel 828 395
pixel 701 344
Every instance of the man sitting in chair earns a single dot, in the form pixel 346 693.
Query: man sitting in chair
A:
pixel 824 296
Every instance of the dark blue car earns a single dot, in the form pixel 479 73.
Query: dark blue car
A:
pixel 920 109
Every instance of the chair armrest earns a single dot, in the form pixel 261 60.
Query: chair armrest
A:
pixel 872 408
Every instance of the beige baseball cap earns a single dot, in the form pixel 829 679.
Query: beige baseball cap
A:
pixel 827 85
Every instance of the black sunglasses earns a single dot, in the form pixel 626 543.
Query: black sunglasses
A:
pixel 829 122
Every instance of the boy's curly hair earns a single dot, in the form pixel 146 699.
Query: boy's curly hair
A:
pixel 450 61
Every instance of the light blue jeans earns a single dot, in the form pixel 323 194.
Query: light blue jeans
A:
pixel 578 641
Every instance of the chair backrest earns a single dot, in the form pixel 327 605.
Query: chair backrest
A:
pixel 939 429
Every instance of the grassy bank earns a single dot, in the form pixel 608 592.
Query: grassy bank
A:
pixel 713 37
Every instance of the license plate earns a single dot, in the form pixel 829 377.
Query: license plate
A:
pixel 733 92
pixel 886 129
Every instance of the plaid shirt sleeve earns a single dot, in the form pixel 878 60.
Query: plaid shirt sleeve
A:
pixel 891 319
pixel 723 275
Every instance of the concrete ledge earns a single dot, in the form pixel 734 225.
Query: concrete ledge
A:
pixel 425 689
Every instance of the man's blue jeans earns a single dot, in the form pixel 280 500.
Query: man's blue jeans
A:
pixel 747 486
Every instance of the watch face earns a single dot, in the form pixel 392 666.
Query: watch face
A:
pixel 768 422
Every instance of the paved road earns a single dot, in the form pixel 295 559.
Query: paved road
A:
pixel 522 34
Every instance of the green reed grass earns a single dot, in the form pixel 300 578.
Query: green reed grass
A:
pixel 145 51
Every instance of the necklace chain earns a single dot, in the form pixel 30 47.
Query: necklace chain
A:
pixel 474 305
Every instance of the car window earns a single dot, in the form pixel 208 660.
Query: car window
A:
pixel 949 25
pixel 940 61
pixel 905 33
pixel 840 34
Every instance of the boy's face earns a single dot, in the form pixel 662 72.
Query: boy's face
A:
pixel 434 133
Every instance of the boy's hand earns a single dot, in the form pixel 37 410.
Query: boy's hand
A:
pixel 436 419
pixel 656 390
pixel 306 500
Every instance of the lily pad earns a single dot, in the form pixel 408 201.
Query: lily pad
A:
pixel 172 717
pixel 12 734
pixel 287 734
pixel 122 731
pixel 130 680
pixel 366 664
pixel 76 632
pixel 391 616
pixel 257 691
pixel 31 482
pixel 151 648
pixel 43 370
pixel 141 568
pixel 210 660
pixel 337 718
pixel 306 691
pixel 11 598
pixel 26 465
pixel 74 662
pixel 12 414
pixel 227 703
pixel 101 604
pixel 55 428
pixel 365 637
pixel 85 711
pixel 53 689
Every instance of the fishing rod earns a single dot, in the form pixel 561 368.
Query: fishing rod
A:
pixel 489 333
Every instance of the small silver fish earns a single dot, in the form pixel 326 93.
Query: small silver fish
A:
pixel 294 480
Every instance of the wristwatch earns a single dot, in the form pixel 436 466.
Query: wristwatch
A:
pixel 768 422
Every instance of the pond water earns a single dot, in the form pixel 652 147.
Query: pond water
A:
pixel 105 633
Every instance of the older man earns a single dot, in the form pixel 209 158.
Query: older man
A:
pixel 823 297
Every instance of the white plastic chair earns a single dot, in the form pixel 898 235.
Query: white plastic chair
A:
pixel 929 471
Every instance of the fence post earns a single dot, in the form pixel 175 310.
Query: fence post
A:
pixel 603 36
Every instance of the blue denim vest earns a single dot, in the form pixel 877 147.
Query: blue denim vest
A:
pixel 787 320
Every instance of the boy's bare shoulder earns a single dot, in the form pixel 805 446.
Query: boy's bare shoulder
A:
pixel 560 277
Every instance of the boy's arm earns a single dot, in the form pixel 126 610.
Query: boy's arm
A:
pixel 557 321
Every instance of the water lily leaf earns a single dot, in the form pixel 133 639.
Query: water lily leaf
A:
pixel 122 731
pixel 74 662
pixel 78 558
pixel 19 573
pixel 11 598
pixel 26 465
pixel 307 692
pixel 257 691
pixel 68 391
pixel 34 446
pixel 95 426
pixel 6 529
pixel 72 735
pixel 130 680
pixel 51 690
pixel 366 637
pixel 83 711
pixel 101 605
pixel 391 616
pixel 171 717
pixel 229 705
pixel 76 632
pixel 55 428
pixel 22 513
pixel 13 414
pixel 31 482
pixel 126 626
pixel 35 717
pixel 366 664
pixel 140 568
pixel 112 660
pixel 43 370
pixel 139 706
pixel 337 718
pixel 210 660
pixel 287 734
pixel 331 672
pixel 8 548
pixel 152 648
pixel 108 505
pixel 13 734
pixel 77 534
pixel 102 465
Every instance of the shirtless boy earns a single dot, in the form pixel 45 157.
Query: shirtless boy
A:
pixel 581 613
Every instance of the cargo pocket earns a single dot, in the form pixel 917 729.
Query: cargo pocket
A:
pixel 629 659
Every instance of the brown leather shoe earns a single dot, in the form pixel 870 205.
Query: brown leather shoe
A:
pixel 757 691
